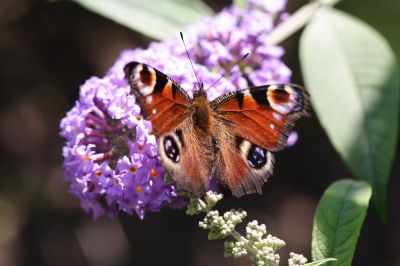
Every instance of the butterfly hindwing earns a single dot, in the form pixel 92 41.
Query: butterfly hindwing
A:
pixel 186 158
pixel 241 167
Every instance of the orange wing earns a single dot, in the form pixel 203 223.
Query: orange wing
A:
pixel 163 101
pixel 251 124
pixel 263 115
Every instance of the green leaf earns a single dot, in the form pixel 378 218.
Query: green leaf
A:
pixel 338 220
pixel 154 18
pixel 352 76
pixel 241 3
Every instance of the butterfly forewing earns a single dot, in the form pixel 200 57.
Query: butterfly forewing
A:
pixel 263 115
pixel 159 97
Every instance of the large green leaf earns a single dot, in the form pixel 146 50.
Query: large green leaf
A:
pixel 338 220
pixel 351 74
pixel 154 18
pixel 241 3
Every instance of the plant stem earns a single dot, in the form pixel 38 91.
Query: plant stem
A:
pixel 298 20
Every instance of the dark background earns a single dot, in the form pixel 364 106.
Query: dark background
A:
pixel 47 50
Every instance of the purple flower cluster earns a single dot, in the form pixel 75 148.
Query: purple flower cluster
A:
pixel 110 153
pixel 216 47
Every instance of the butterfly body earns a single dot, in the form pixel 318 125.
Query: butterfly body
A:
pixel 230 139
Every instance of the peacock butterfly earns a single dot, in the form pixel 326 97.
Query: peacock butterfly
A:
pixel 231 139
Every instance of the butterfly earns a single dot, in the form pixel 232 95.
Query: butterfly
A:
pixel 232 138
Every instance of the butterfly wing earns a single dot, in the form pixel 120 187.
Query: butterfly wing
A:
pixel 162 101
pixel 258 122
pixel 184 155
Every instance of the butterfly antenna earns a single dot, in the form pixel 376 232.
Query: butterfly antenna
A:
pixel 198 82
pixel 229 70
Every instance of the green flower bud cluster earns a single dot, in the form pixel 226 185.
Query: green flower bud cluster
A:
pixel 197 205
pixel 236 249
pixel 297 259
pixel 262 249
pixel 266 247
pixel 212 198
pixel 221 226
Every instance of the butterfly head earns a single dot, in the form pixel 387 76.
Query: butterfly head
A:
pixel 199 91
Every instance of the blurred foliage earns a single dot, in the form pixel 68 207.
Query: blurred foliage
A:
pixel 353 77
pixel 156 19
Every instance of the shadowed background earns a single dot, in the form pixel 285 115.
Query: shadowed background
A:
pixel 47 50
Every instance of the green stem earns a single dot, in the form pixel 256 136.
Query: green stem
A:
pixel 298 20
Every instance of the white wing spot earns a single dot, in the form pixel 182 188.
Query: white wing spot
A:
pixel 277 116
pixel 146 90
pixel 272 126
pixel 245 147
pixel 246 92
pixel 153 111
pixel 273 87
pixel 284 107
pixel 149 99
